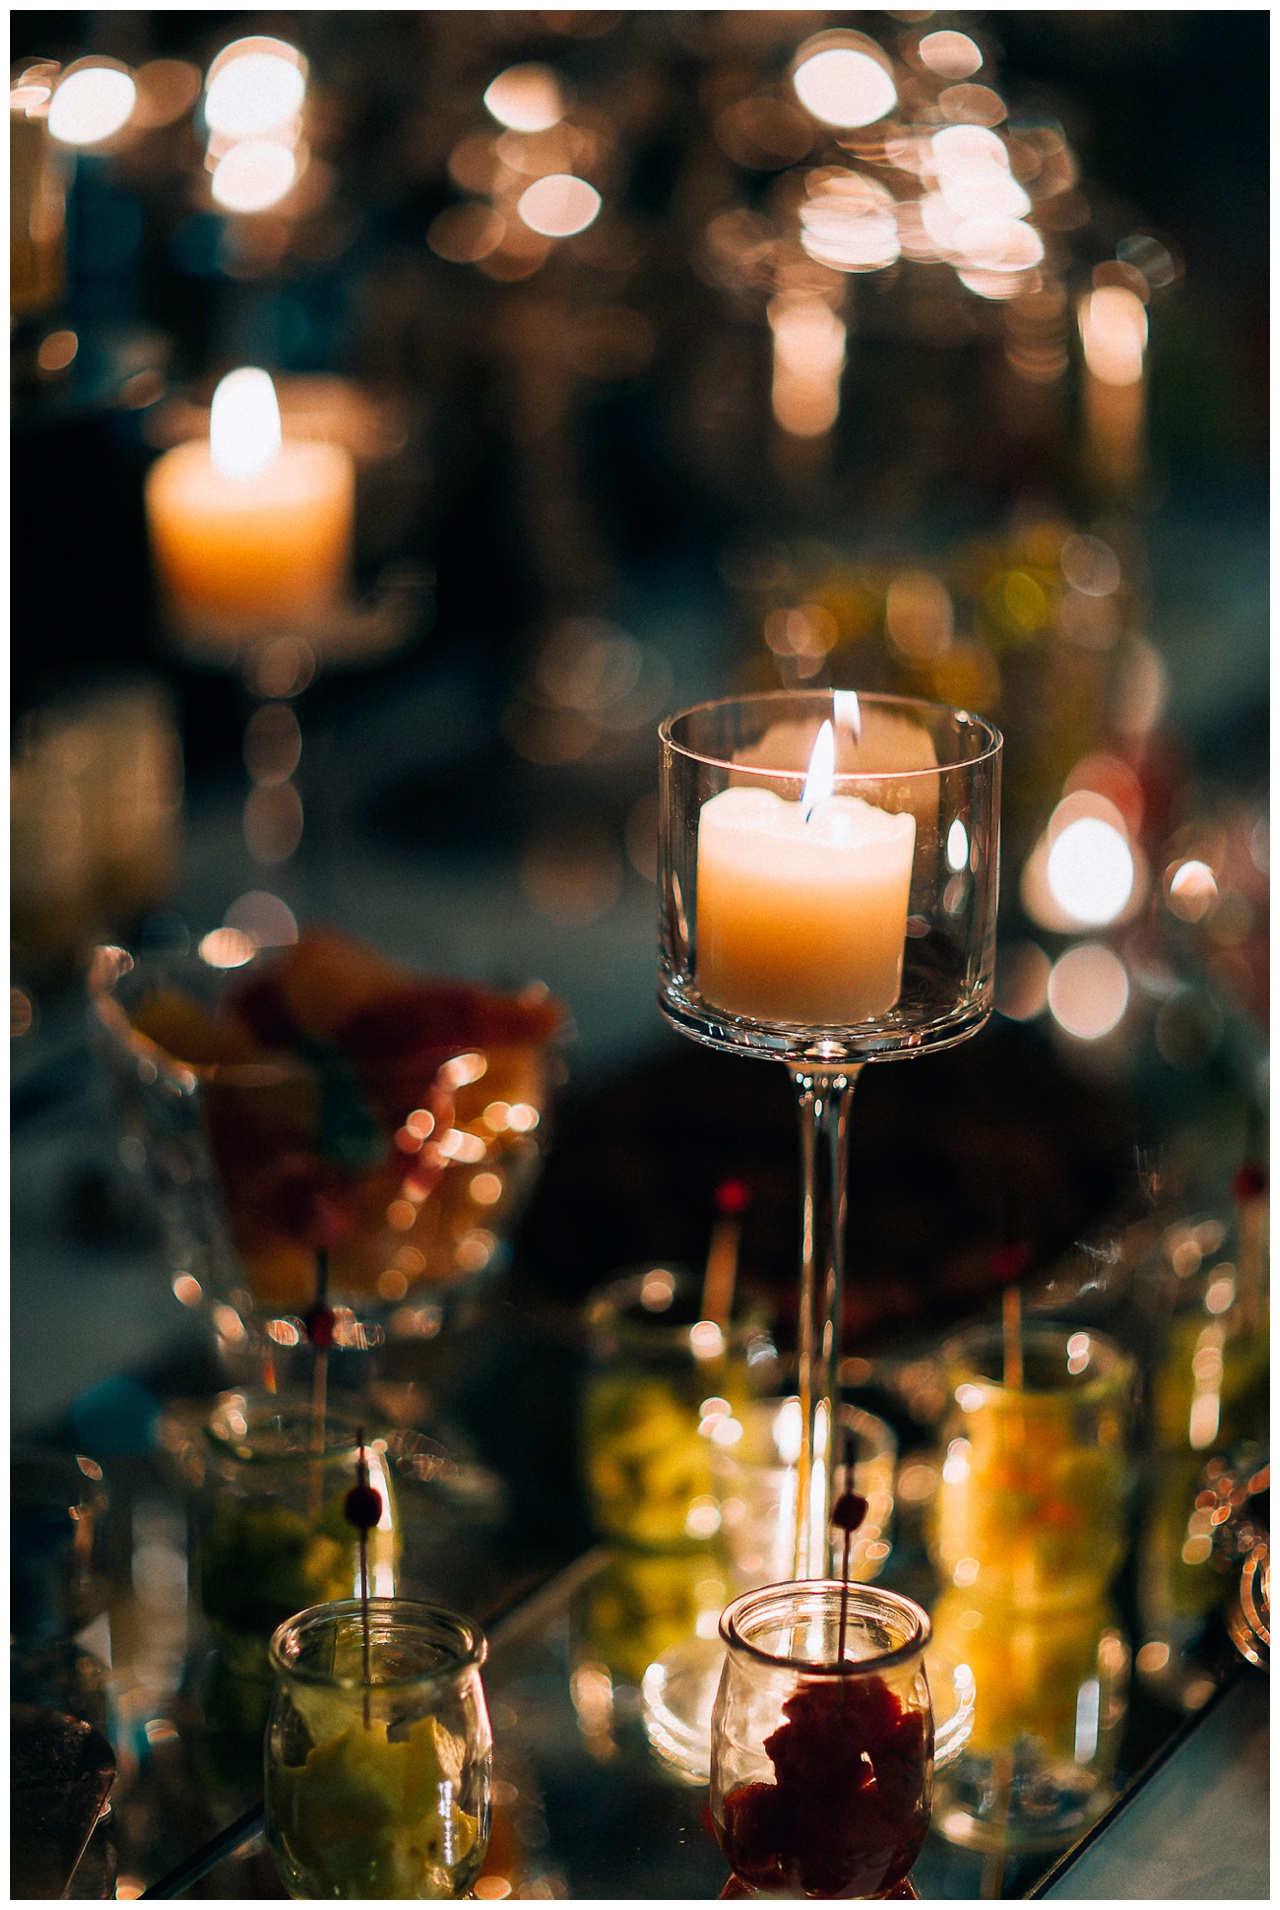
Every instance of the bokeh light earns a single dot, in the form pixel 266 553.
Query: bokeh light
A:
pixel 850 222
pixel 1191 889
pixel 1090 871
pixel 253 175
pixel 952 56
pixel 91 102
pixel 559 205
pixel 254 86
pixel 848 83
pixel 1022 981
pixel 268 921
pixel 1113 330
pixel 1088 991
pixel 808 358
pixel 528 98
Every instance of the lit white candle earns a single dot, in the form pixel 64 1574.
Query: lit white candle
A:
pixel 802 906
pixel 250 533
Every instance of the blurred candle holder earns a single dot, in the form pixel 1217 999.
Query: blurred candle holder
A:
pixel 662 1380
pixel 826 904
pixel 1031 1503
pixel 268 1481
pixel 755 1475
pixel 1050 1697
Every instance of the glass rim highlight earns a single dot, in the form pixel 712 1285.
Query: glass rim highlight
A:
pixel 859 1594
pixel 993 745
pixel 473 1646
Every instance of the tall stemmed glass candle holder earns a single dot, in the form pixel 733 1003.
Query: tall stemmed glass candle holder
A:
pixel 829 873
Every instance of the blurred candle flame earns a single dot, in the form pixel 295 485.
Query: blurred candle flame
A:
pixel 244 422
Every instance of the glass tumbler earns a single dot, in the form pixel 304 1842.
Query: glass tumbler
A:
pixel 378 1767
pixel 660 1377
pixel 269 1487
pixel 822 1747
pixel 1030 1508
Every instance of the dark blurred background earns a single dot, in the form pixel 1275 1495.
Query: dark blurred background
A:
pixel 582 502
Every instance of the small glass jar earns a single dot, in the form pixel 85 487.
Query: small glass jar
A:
pixel 754 1467
pixel 1050 1696
pixel 1030 1507
pixel 659 1373
pixel 272 1537
pixel 378 1789
pixel 822 1764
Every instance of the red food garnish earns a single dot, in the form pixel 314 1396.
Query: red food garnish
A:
pixel 1010 1263
pixel 362 1507
pixel 1250 1182
pixel 849 1811
pixel 320 1323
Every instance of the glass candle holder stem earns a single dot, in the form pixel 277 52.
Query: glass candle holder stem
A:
pixel 823 1097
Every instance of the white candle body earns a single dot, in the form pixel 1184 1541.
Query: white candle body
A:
pixel 236 555
pixel 802 921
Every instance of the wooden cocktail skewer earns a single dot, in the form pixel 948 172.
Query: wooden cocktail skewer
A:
pixel 721 1276
pixel 319 1325
pixel 848 1512
pixel 1009 1264
pixel 363 1508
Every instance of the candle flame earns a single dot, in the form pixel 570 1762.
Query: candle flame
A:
pixel 848 712
pixel 244 422
pixel 821 780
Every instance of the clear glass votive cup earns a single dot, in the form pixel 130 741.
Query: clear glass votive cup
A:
pixel 659 1374
pixel 822 1763
pixel 753 1463
pixel 1030 1507
pixel 378 1788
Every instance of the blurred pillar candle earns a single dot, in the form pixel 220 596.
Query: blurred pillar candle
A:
pixel 250 534
pixel 802 907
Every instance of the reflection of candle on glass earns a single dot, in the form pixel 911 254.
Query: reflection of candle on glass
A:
pixel 250 534
pixel 802 907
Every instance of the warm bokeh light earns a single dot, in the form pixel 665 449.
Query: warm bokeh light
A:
pixel 464 234
pixel 1191 889
pixel 1090 871
pixel 1113 330
pixel 227 948
pixel 91 102
pixel 1088 991
pixel 528 99
pixel 964 152
pixel 253 175
pixel 850 222
pixel 808 358
pixel 254 86
pixel 1022 981
pixel 952 56
pixel 166 90
pixel 848 83
pixel 57 351
pixel 265 918
pixel 1091 566
pixel 998 245
pixel 244 422
pixel 992 194
pixel 559 205
pixel 918 615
